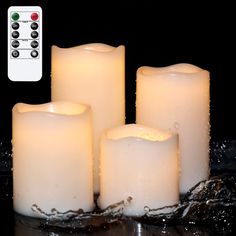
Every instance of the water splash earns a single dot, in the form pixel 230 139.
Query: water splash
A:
pixel 81 221
pixel 5 156
pixel 209 207
pixel 5 171
pixel 223 156
pixel 211 203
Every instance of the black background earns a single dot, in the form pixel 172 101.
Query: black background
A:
pixel 154 35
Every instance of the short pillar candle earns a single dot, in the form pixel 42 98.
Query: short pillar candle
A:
pixel 177 98
pixel 141 163
pixel 52 157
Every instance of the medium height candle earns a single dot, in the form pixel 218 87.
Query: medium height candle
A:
pixel 177 98
pixel 141 163
pixel 92 74
pixel 52 157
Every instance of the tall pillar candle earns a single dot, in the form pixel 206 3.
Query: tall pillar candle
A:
pixel 92 74
pixel 52 157
pixel 177 98
pixel 141 163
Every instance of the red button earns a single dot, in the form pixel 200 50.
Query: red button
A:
pixel 34 16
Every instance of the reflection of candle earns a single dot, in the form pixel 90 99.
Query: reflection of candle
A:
pixel 177 98
pixel 139 162
pixel 52 157
pixel 92 74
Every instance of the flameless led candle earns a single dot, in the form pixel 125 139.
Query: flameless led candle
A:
pixel 52 157
pixel 93 74
pixel 139 162
pixel 177 98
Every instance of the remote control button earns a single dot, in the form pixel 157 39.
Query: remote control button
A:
pixel 34 16
pixel 15 53
pixel 34 44
pixel 34 34
pixel 15 16
pixel 15 44
pixel 34 53
pixel 15 34
pixel 15 26
pixel 34 26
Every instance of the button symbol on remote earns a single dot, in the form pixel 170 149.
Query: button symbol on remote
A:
pixel 34 26
pixel 15 16
pixel 15 44
pixel 15 25
pixel 15 34
pixel 34 16
pixel 15 53
pixel 34 44
pixel 34 34
pixel 34 53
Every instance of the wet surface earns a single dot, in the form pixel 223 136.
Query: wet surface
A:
pixel 209 208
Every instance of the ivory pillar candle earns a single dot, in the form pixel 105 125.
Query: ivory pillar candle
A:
pixel 93 74
pixel 139 162
pixel 52 157
pixel 177 98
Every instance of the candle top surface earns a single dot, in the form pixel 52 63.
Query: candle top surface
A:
pixel 138 132
pixel 91 47
pixel 173 70
pixel 58 108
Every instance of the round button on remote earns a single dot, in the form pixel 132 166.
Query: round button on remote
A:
pixel 34 53
pixel 15 25
pixel 34 16
pixel 34 26
pixel 15 44
pixel 15 53
pixel 15 16
pixel 34 44
pixel 15 34
pixel 34 34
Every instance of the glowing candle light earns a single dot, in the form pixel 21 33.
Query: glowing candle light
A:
pixel 142 163
pixel 52 157
pixel 93 74
pixel 176 98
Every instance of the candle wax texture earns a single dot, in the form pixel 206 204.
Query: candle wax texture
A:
pixel 142 163
pixel 52 157
pixel 177 98
pixel 93 74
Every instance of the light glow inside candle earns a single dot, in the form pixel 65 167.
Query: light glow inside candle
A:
pixel 52 157
pixel 93 74
pixel 176 98
pixel 139 162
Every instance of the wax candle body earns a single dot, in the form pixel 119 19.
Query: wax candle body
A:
pixel 92 74
pixel 177 98
pixel 52 157
pixel 139 162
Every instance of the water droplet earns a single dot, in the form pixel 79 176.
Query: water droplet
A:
pixel 5 156
pixel 176 125
pixel 53 234
pixel 146 208
pixel 222 155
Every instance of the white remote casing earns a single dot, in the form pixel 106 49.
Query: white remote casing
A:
pixel 25 47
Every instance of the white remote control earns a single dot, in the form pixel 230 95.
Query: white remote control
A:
pixel 24 43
